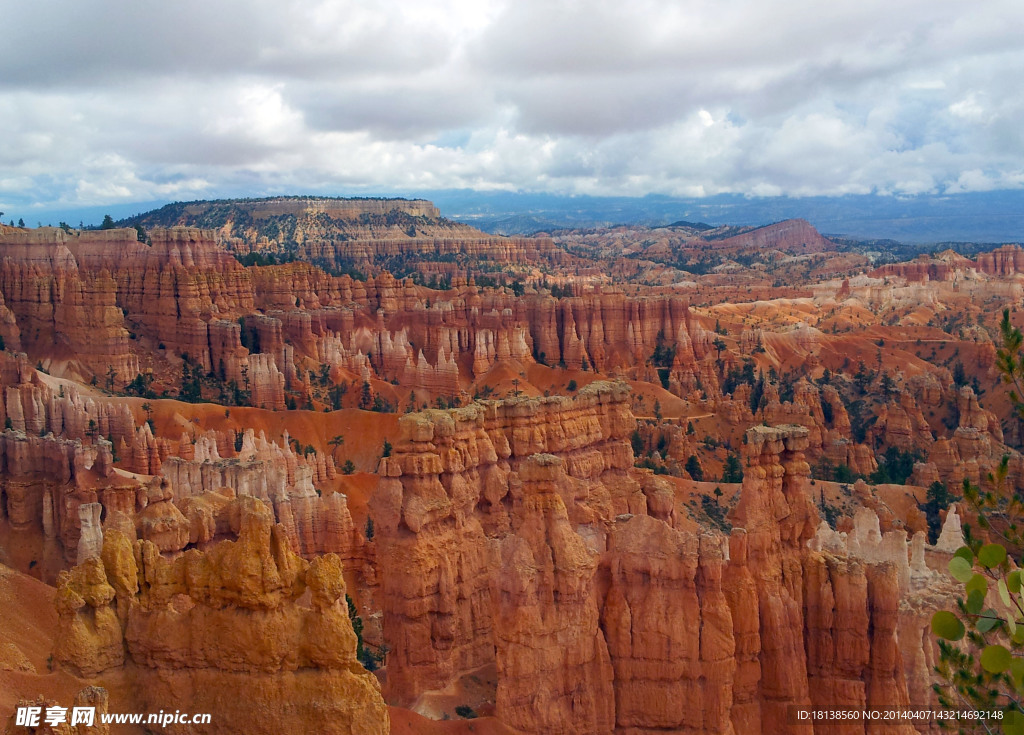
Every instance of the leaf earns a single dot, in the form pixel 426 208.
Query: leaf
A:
pixel 960 568
pixel 996 659
pixel 975 601
pixel 1004 595
pixel 1018 636
pixel 947 625
pixel 991 555
pixel 990 620
pixel 1013 581
pixel 1017 671
pixel 1012 625
pixel 966 553
pixel 1013 722
pixel 978 582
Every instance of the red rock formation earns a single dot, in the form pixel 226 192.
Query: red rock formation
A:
pixel 1007 260
pixel 459 477
pixel 185 294
pixel 922 269
pixel 778 518
pixel 974 417
pixel 546 617
pixel 91 697
pixel 266 382
pixel 61 310
pixel 487 555
pixel 46 481
pixel 842 614
pixel 672 672
pixel 902 424
pixel 243 628
pixel 68 293
pixel 791 236
pixel 446 490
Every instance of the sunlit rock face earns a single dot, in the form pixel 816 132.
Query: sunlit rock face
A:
pixel 246 615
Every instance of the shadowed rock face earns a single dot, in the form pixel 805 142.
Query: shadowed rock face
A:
pixel 247 615
pixel 453 484
pixel 665 629
pixel 546 617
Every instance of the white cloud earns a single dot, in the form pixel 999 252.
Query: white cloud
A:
pixel 104 101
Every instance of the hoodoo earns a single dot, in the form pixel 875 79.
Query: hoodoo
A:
pixel 333 464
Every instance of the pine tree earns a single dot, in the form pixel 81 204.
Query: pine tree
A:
pixel 693 468
pixel 733 471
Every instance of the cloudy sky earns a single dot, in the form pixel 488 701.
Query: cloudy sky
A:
pixel 114 101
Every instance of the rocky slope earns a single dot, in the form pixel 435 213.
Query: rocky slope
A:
pixel 707 497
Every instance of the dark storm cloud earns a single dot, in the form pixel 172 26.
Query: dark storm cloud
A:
pixel 395 111
pixel 97 42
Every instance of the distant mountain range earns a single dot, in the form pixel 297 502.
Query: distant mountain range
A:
pixel 994 217
pixel 987 217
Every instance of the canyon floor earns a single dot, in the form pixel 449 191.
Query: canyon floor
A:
pixel 351 467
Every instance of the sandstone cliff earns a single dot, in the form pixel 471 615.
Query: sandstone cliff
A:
pixel 493 548
pixel 245 615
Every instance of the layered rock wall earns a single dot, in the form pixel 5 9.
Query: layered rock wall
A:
pixel 244 627
pixel 497 553
pixel 452 484
pixel 546 617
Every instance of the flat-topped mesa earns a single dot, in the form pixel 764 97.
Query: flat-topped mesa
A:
pixel 365 234
pixel 454 482
pixel 336 208
pixel 194 631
